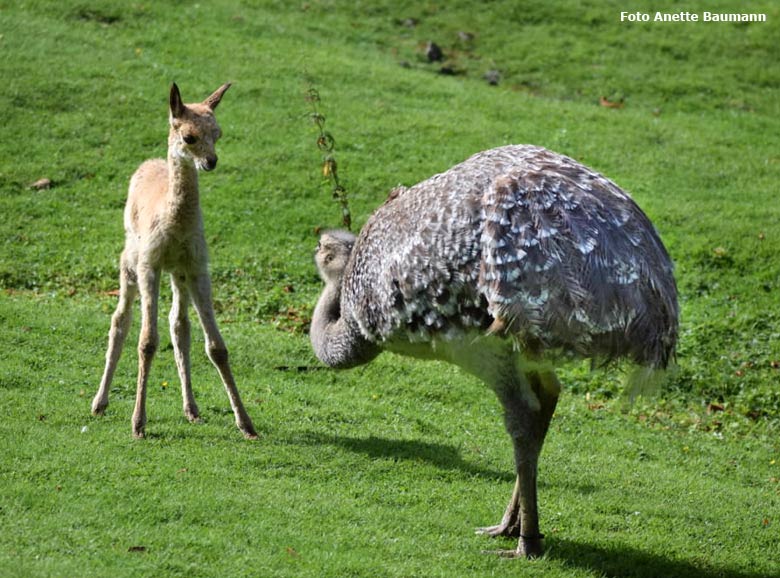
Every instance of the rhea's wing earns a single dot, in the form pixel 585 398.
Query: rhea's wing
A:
pixel 569 261
pixel 414 268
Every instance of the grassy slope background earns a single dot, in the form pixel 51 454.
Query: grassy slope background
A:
pixel 382 470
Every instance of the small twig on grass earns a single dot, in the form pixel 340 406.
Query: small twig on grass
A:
pixel 326 143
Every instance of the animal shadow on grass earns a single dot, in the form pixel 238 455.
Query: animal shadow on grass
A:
pixel 442 456
pixel 620 562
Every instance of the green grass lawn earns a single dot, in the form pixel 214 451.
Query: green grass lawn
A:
pixel 383 470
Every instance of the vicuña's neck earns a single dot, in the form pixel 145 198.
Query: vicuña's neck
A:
pixel 337 342
pixel 182 182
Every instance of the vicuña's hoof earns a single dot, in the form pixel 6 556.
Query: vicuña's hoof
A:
pixel 248 430
pixel 192 414
pixel 99 407
pixel 139 427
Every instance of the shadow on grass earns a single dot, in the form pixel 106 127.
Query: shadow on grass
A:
pixel 442 456
pixel 623 562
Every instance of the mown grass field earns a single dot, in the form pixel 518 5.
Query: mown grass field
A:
pixel 386 469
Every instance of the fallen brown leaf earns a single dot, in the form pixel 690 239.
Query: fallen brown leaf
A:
pixel 605 102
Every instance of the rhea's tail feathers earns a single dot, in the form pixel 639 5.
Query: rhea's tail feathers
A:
pixel 646 381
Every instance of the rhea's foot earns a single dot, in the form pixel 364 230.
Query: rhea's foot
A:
pixel 529 548
pixel 503 553
pixel 513 554
pixel 509 527
pixel 503 530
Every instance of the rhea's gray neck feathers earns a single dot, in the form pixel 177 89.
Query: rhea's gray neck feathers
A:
pixel 336 338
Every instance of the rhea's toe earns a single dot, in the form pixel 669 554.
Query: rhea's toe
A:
pixel 504 553
pixel 500 530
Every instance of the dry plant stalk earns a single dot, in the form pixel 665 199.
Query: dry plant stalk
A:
pixel 326 143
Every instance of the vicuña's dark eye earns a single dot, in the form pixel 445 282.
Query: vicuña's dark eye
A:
pixel 190 139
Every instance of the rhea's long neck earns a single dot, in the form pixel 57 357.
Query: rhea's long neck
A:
pixel 337 342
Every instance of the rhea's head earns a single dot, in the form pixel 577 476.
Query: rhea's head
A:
pixel 333 253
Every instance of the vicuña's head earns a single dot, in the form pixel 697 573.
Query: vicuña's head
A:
pixel 332 254
pixel 194 130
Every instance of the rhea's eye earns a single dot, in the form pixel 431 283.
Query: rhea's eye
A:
pixel 190 139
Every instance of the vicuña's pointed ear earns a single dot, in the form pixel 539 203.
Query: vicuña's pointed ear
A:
pixel 213 100
pixel 177 106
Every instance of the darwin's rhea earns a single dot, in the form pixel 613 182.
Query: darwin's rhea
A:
pixel 164 232
pixel 503 264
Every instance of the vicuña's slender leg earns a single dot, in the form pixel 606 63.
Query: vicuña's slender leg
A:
pixel 200 291
pixel 120 326
pixel 527 425
pixel 180 337
pixel 149 286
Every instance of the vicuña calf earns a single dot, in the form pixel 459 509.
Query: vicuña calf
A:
pixel 164 232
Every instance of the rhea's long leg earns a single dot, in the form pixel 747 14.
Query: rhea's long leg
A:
pixel 527 421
